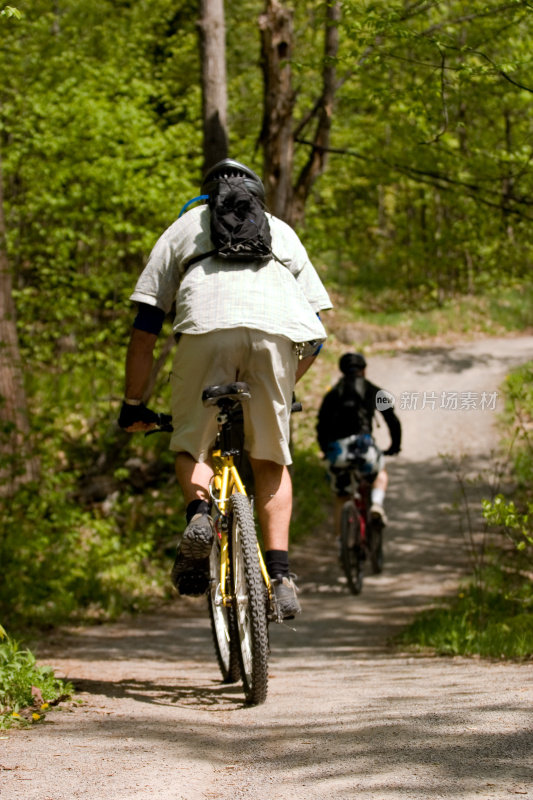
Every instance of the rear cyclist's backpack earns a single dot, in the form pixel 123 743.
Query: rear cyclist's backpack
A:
pixel 352 408
pixel 239 226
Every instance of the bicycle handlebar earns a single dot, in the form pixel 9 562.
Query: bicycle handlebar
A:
pixel 163 425
pixel 164 421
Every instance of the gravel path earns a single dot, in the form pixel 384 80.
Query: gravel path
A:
pixel 347 715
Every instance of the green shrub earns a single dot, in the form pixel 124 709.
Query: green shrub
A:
pixel 26 689
pixel 68 557
pixel 494 621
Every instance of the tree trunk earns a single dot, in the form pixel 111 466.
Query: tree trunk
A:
pixel 17 463
pixel 214 89
pixel 278 133
pixel 276 26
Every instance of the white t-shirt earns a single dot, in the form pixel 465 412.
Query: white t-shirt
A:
pixel 215 293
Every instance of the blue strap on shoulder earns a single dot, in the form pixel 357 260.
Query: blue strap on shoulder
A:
pixel 190 202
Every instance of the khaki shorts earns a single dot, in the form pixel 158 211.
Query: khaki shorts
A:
pixel 267 364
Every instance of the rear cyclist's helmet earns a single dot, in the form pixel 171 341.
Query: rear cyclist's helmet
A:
pixel 228 168
pixel 350 363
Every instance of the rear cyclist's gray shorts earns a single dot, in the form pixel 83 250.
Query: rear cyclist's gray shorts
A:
pixel 267 364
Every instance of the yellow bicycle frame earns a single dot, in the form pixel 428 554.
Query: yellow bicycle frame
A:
pixel 226 481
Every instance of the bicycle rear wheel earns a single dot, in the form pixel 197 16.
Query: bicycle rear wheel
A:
pixel 249 601
pixel 375 528
pixel 351 547
pixel 222 620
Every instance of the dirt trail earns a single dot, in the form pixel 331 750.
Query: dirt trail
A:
pixel 347 716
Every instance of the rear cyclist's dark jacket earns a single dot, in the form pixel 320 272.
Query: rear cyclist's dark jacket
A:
pixel 346 410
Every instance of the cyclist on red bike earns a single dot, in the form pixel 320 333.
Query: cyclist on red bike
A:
pixel 344 433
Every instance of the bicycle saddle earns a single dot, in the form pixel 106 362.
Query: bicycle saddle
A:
pixel 228 391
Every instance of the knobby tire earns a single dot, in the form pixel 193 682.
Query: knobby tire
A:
pixel 351 549
pixel 249 601
pixel 222 620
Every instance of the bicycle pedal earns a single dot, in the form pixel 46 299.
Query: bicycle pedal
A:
pixel 279 620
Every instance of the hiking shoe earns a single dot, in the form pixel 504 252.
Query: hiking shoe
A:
pixel 190 577
pixel 198 537
pixel 285 599
pixel 190 572
pixel 377 514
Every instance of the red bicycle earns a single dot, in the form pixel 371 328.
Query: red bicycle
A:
pixel 361 535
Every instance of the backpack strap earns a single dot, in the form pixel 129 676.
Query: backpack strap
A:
pixel 191 201
pixel 197 258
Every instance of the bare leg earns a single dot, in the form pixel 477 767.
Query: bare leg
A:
pixel 193 477
pixel 273 501
pixel 382 480
pixel 377 497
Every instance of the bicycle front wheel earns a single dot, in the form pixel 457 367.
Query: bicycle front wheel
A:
pixel 351 547
pixel 222 620
pixel 249 601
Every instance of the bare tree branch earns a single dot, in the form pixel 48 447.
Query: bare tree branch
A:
pixel 495 66
pixel 470 18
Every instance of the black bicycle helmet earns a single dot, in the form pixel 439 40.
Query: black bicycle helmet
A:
pixel 229 168
pixel 352 362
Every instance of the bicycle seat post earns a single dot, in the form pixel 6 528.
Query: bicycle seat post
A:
pixel 224 420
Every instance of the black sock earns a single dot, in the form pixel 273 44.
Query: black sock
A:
pixel 196 507
pixel 277 563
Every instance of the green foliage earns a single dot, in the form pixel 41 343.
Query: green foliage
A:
pixel 10 11
pixel 96 163
pixel 61 561
pixel 494 622
pixel 426 184
pixel 518 418
pixel 504 514
pixel 26 689
pixel 514 517
pixel 312 494
pixel 81 544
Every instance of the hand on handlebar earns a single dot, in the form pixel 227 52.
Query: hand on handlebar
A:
pixel 134 419
pixel 164 423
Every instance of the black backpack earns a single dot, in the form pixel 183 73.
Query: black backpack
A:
pixel 239 226
pixel 353 409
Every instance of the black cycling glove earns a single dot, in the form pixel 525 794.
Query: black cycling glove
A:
pixel 130 414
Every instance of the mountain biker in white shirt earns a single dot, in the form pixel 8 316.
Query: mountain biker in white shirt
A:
pixel 233 321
